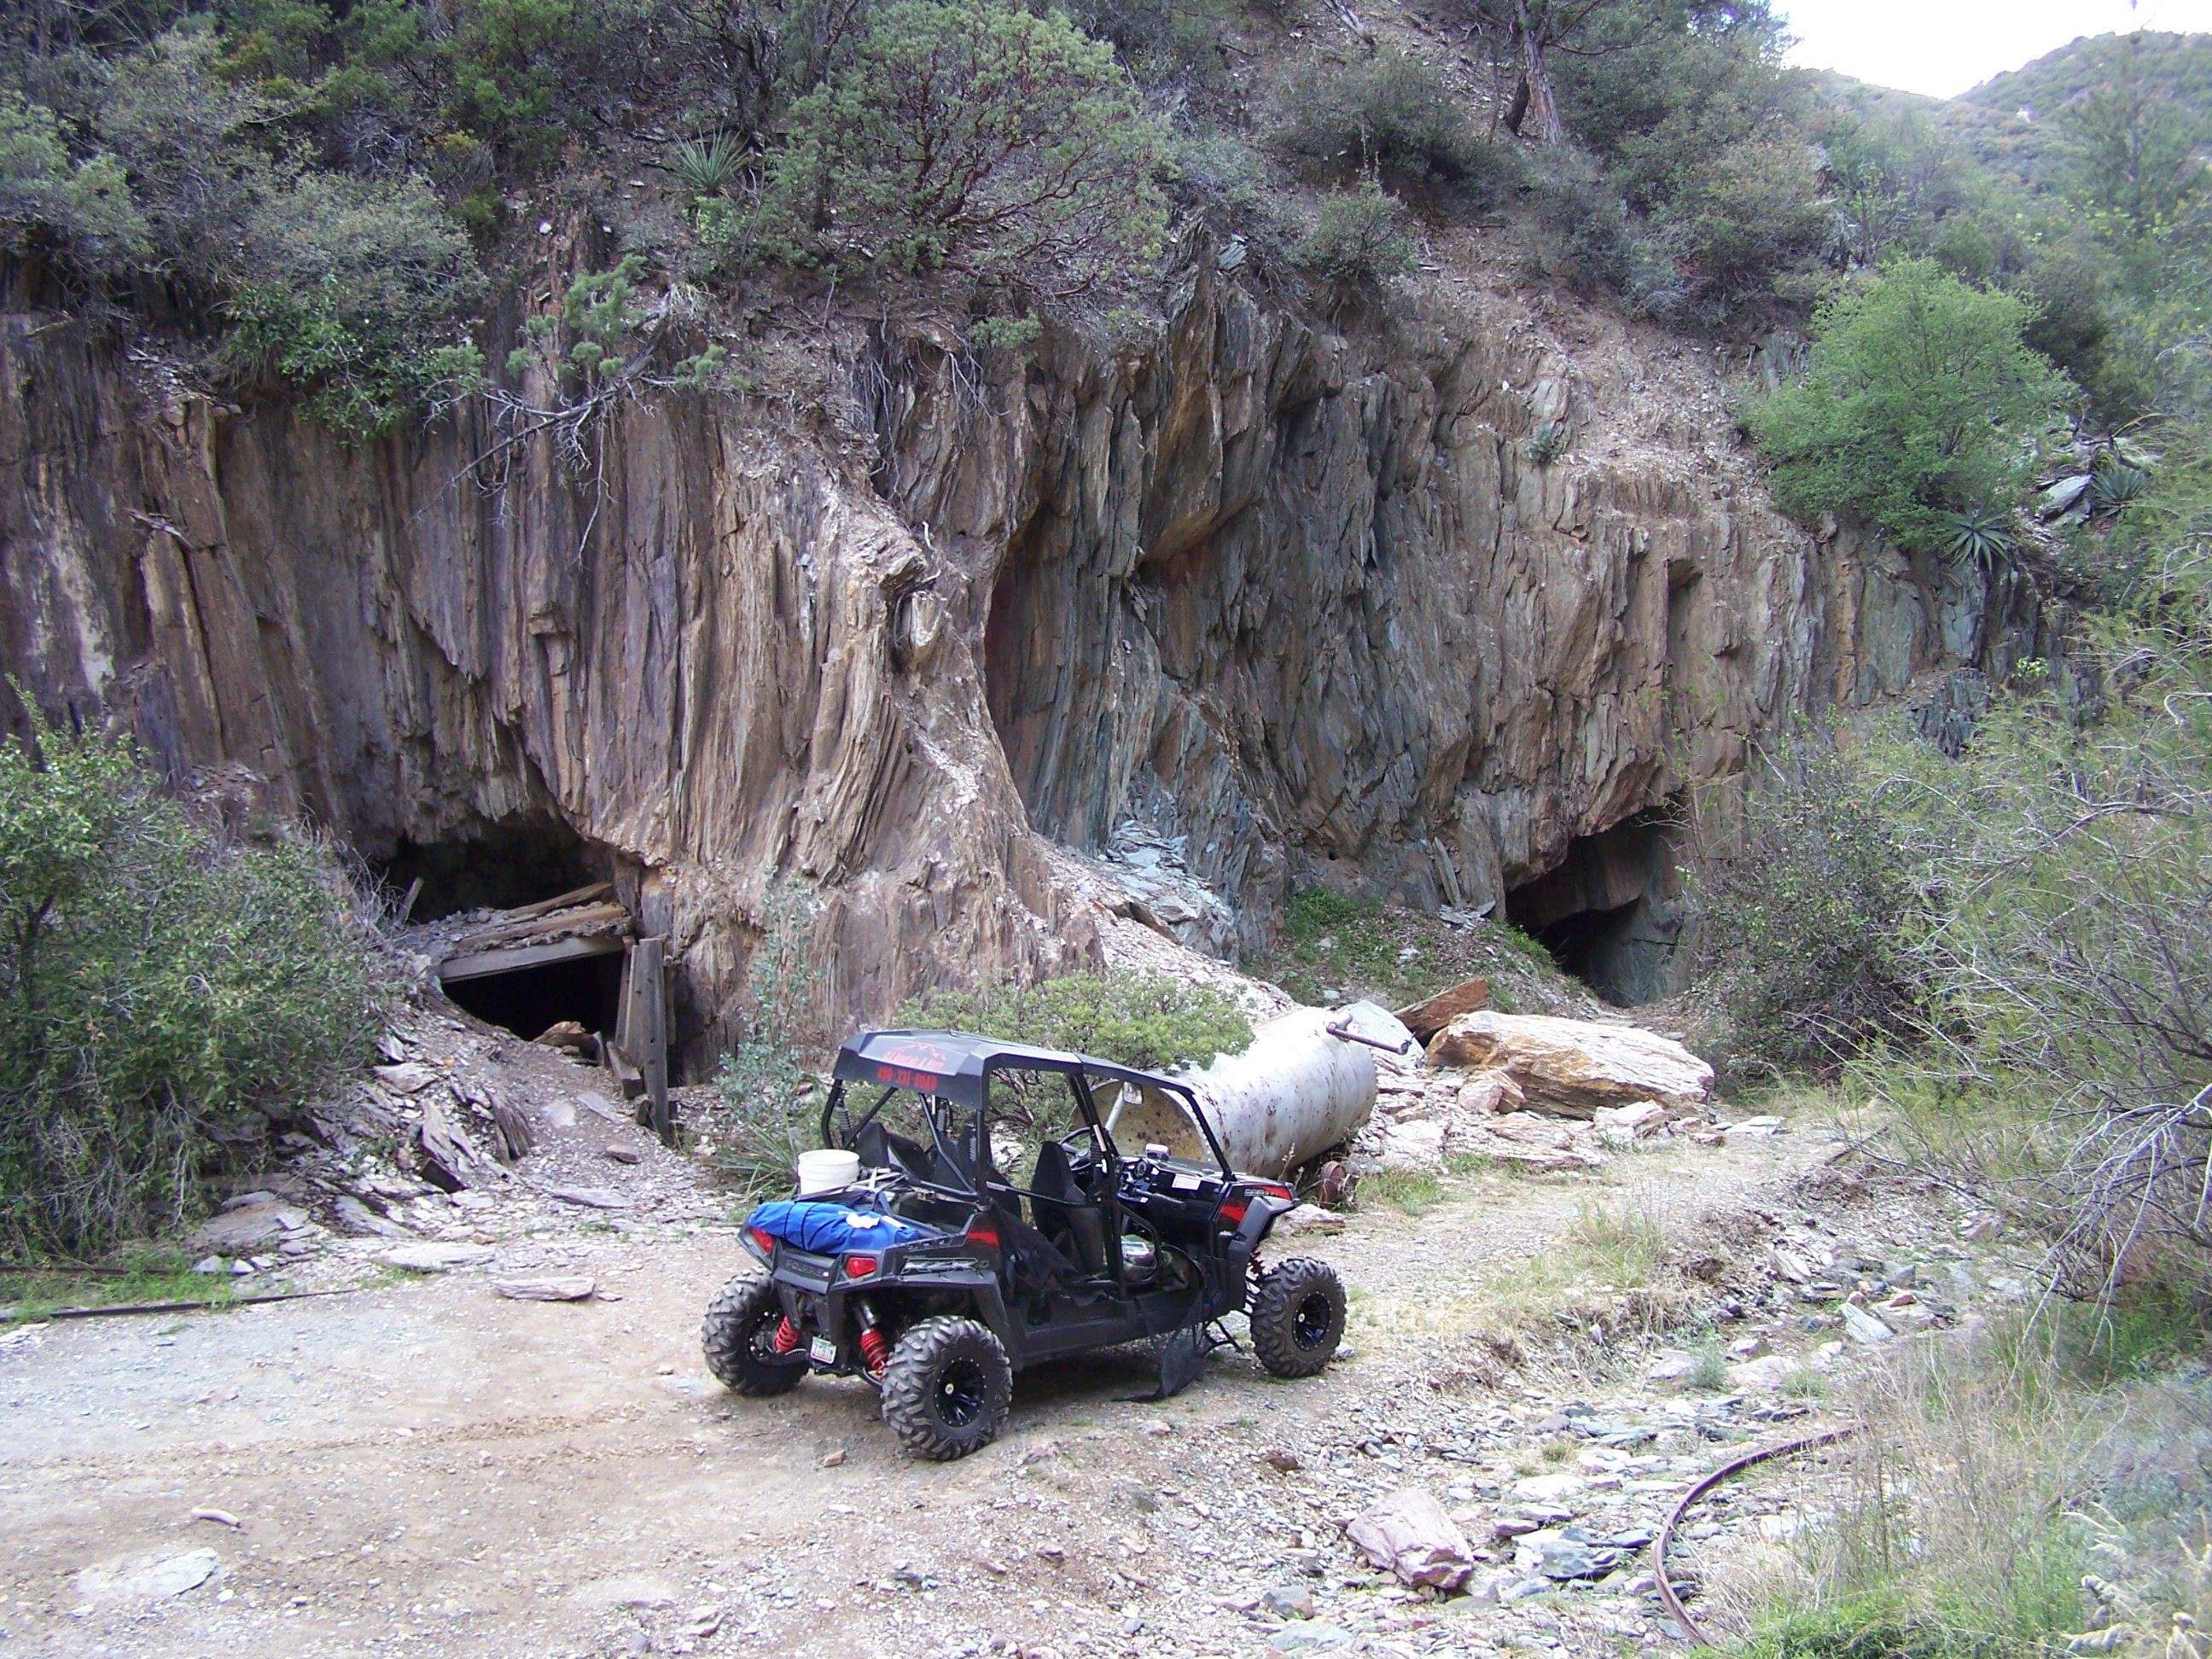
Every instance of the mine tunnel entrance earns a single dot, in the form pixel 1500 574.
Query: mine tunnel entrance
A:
pixel 528 968
pixel 1612 913
pixel 515 861
pixel 529 1001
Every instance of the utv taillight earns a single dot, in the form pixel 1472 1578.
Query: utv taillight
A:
pixel 985 1234
pixel 1232 1211
pixel 860 1267
pixel 762 1242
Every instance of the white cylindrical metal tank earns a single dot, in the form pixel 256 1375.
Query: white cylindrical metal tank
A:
pixel 1297 1092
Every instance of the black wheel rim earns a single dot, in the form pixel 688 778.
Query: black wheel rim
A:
pixel 959 1392
pixel 1316 1315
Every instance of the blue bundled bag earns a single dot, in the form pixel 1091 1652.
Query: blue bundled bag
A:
pixel 826 1229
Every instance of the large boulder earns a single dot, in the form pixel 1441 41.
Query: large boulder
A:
pixel 1574 1067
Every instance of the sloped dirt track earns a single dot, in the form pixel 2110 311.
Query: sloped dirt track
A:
pixel 422 1468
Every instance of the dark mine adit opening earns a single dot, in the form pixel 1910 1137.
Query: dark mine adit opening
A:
pixel 1612 913
pixel 530 1000
pixel 498 866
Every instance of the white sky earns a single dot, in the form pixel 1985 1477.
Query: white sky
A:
pixel 1943 47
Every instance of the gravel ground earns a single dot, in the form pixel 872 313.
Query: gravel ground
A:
pixel 418 1466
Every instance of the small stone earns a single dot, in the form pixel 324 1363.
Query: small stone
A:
pixel 574 1287
pixel 1980 1229
pixel 621 1153
pixel 833 1460
pixel 241 1200
pixel 591 1198
pixel 1863 1327
pixel 242 1269
pixel 210 1264
pixel 1288 1602
pixel 1309 1638
pixel 220 1517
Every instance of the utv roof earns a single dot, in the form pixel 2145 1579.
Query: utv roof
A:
pixel 953 1064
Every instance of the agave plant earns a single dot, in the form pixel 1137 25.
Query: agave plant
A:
pixel 1980 535
pixel 2114 487
pixel 705 164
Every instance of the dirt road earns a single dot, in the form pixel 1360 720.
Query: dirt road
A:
pixel 421 1467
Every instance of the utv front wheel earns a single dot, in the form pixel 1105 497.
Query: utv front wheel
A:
pixel 947 1389
pixel 1297 1317
pixel 740 1337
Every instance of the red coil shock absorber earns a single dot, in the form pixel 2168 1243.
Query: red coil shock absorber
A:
pixel 1259 1271
pixel 786 1336
pixel 875 1347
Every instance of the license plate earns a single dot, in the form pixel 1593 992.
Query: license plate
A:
pixel 821 1351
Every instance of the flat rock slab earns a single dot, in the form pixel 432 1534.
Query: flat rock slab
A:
pixel 149 1577
pixel 1425 1019
pixel 356 1217
pixel 629 1590
pixel 1573 1066
pixel 567 1288
pixel 591 1198
pixel 436 1258
pixel 240 1229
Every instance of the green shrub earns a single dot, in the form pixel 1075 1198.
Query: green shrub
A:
pixel 156 992
pixel 1393 111
pixel 361 285
pixel 1812 920
pixel 82 209
pixel 1920 400
pixel 1358 238
pixel 1742 216
pixel 1145 1020
pixel 1547 442
pixel 763 1080
pixel 1163 42
pixel 972 139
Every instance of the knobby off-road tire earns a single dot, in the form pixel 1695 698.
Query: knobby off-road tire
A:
pixel 947 1389
pixel 740 1337
pixel 1297 1317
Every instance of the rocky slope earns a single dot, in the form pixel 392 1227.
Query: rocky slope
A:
pixel 1278 600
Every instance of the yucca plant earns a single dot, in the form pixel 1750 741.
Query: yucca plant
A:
pixel 704 166
pixel 2116 486
pixel 1980 535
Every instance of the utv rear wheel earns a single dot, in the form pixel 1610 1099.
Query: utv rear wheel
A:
pixel 1297 1317
pixel 947 1389
pixel 740 1337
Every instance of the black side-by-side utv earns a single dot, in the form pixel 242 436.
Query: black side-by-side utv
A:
pixel 994 1223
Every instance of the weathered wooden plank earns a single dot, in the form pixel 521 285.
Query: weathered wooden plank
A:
pixel 596 915
pixel 479 963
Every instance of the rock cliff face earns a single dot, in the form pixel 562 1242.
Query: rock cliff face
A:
pixel 1274 602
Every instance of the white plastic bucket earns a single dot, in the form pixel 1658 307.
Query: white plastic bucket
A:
pixel 827 1171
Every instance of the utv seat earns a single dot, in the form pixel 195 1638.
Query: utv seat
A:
pixel 879 1149
pixel 1065 1213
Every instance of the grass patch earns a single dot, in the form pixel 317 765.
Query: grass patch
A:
pixel 1710 1371
pixel 1409 1190
pixel 30 1294
pixel 1956 1525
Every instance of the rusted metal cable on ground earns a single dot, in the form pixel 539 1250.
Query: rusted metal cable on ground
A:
pixel 1672 1603
pixel 197 1305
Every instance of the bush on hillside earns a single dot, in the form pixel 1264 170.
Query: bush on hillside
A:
pixel 1920 400
pixel 1814 920
pixel 1358 237
pixel 79 209
pixel 1393 111
pixel 159 995
pixel 1145 1020
pixel 977 139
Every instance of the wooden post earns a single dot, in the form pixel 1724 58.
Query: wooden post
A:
pixel 650 1031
